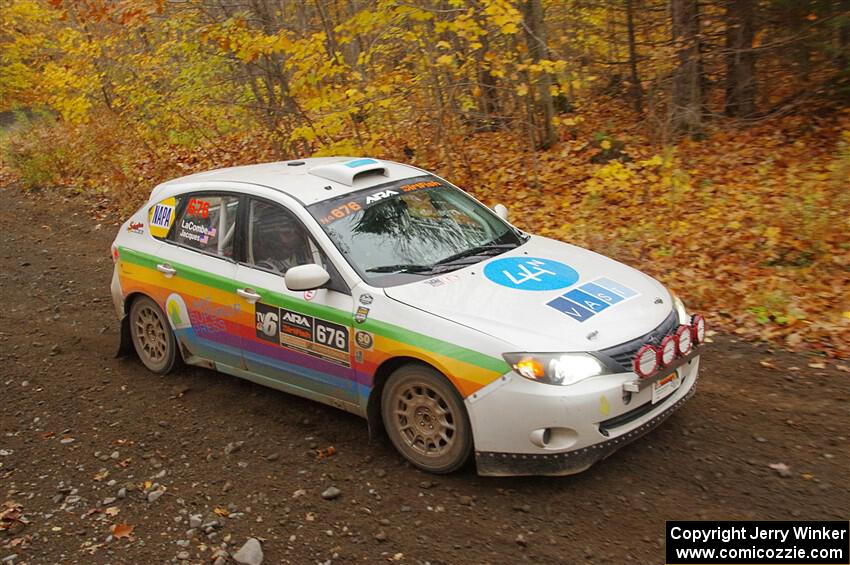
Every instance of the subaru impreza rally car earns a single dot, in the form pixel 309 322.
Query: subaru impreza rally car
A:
pixel 386 291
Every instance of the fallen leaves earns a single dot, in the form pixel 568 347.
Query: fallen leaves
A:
pixel 223 512
pixel 122 530
pixel 12 519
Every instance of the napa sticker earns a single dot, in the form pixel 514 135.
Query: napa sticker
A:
pixel 530 273
pixel 160 217
pixel 589 299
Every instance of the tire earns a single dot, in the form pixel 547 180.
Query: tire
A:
pixel 152 336
pixel 425 419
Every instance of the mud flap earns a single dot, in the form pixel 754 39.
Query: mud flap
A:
pixel 125 346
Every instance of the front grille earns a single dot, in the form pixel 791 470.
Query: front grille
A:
pixel 624 353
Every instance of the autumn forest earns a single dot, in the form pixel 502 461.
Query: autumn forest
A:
pixel 706 142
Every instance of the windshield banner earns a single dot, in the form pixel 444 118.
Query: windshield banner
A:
pixel 330 211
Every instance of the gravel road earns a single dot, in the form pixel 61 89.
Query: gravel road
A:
pixel 104 462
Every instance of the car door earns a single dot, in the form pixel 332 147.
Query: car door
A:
pixel 301 340
pixel 195 262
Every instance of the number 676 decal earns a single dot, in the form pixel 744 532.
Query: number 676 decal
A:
pixel 303 333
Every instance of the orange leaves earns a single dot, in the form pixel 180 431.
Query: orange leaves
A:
pixel 12 519
pixel 122 530
pixel 742 226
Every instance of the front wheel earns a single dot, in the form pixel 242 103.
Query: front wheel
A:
pixel 152 336
pixel 425 419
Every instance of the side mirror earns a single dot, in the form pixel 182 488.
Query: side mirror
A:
pixel 501 211
pixel 306 277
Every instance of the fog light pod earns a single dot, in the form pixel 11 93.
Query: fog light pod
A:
pixel 667 351
pixel 698 329
pixel 646 361
pixel 684 341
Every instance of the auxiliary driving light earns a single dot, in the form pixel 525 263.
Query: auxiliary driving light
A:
pixel 646 361
pixel 698 329
pixel 684 342
pixel 667 351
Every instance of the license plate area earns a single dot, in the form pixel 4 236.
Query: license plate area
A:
pixel 665 386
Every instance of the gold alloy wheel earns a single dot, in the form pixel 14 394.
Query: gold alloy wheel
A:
pixel 151 334
pixel 152 337
pixel 425 419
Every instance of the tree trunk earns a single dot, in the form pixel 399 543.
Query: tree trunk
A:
pixel 740 58
pixel 637 91
pixel 535 34
pixel 686 106
pixel 488 107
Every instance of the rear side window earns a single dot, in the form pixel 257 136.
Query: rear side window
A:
pixel 207 223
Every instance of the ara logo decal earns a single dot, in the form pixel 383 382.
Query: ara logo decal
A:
pixel 380 196
pixel 136 227
pixel 587 300
pixel 294 318
pixel 530 273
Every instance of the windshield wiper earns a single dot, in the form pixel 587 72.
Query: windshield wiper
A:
pixel 486 249
pixel 400 269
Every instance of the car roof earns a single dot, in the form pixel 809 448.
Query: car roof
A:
pixel 308 180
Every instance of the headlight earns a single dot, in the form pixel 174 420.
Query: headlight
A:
pixel 555 368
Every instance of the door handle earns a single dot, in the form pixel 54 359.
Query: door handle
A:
pixel 248 294
pixel 166 269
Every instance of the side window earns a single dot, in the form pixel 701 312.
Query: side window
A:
pixel 277 240
pixel 207 223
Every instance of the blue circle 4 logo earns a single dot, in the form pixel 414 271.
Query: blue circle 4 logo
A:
pixel 530 273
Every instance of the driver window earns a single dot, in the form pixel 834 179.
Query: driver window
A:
pixel 276 240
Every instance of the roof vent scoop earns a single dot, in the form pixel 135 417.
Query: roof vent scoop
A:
pixel 346 172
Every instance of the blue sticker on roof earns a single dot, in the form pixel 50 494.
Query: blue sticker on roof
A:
pixel 530 273
pixel 359 163
pixel 588 299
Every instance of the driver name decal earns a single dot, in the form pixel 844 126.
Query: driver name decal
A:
pixel 530 273
pixel 588 299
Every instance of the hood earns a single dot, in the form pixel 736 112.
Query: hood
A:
pixel 545 295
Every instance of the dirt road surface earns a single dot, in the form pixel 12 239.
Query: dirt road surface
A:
pixel 89 440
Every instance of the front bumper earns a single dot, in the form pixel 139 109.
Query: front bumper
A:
pixel 586 422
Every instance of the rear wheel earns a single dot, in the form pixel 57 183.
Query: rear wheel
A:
pixel 152 336
pixel 425 419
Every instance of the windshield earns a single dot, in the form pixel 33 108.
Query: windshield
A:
pixel 406 230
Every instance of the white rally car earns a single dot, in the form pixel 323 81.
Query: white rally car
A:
pixel 383 290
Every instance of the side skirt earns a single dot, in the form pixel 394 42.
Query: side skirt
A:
pixel 290 389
